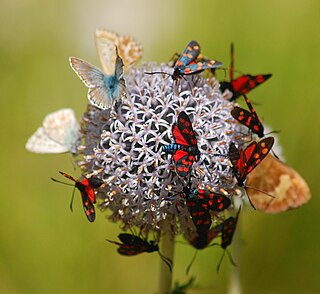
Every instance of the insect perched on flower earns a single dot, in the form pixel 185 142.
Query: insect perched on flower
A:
pixel 104 89
pixel 133 245
pixel 129 50
pixel 249 119
pixel 244 161
pixel 86 188
pixel 185 149
pixel 243 84
pixel 59 133
pixel 189 63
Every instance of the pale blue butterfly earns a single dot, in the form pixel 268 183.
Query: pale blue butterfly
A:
pixel 104 89
pixel 59 133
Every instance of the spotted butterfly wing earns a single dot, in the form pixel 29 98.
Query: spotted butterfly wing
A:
pixel 130 51
pixel 104 90
pixel 184 136
pixel 244 161
pixel 249 119
pixel 188 64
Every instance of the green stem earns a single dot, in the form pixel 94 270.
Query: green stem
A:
pixel 234 283
pixel 167 250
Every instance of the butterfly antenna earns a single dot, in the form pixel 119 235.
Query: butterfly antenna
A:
pixel 55 180
pixel 231 62
pixel 167 261
pixel 71 202
pixel 191 263
pixel 219 264
pixel 157 72
pixel 256 189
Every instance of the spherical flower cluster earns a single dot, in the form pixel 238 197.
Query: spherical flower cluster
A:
pixel 123 147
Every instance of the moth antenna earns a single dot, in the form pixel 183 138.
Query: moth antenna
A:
pixel 166 260
pixel 256 189
pixel 230 258
pixel 60 182
pixel 191 263
pixel 219 264
pixel 157 72
pixel 72 197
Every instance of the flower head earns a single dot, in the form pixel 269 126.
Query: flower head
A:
pixel 123 147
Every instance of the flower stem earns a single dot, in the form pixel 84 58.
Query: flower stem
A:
pixel 167 250
pixel 234 283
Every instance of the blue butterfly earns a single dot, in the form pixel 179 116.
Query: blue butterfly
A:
pixel 104 89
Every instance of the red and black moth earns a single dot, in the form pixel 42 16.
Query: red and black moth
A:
pixel 190 62
pixel 228 228
pixel 202 240
pixel 249 119
pixel 187 63
pixel 244 161
pixel 133 245
pixel 243 84
pixel 86 188
pixel 199 203
pixel 185 149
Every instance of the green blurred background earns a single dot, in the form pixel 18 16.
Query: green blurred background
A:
pixel 45 248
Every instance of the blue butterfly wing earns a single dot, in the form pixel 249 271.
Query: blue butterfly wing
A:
pixel 103 90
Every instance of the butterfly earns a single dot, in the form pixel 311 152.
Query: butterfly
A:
pixel 249 119
pixel 133 245
pixel 104 89
pixel 243 84
pixel 185 149
pixel 59 133
pixel 244 161
pixel 187 63
pixel 280 180
pixel 86 188
pixel 129 50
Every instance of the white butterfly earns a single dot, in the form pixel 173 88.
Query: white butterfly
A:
pixel 59 133
pixel 104 90
pixel 129 50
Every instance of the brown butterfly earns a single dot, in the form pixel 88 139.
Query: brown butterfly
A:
pixel 280 180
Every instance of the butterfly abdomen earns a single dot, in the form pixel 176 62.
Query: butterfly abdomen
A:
pixel 111 84
pixel 171 148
